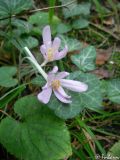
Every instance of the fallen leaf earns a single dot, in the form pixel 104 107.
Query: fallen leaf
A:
pixel 103 56
pixel 102 73
pixel 109 21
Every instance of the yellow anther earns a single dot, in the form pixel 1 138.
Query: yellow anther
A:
pixel 50 54
pixel 56 84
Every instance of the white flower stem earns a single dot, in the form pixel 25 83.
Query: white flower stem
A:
pixel 29 53
pixel 33 60
pixel 43 64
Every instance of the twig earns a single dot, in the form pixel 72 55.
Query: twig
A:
pixel 47 8
pixel 5 113
pixel 105 30
pixel 40 9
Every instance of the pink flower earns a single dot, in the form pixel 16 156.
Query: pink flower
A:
pixel 56 82
pixel 49 49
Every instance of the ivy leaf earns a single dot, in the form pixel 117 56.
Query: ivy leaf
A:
pixel 76 9
pixel 12 7
pixel 90 99
pixel 115 150
pixel 22 26
pixel 39 80
pixel 6 76
pixel 80 23
pixel 30 42
pixel 38 134
pixel 72 43
pixel 113 90
pixel 63 28
pixel 86 59
pixel 41 19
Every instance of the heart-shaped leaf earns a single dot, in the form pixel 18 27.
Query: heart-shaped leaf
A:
pixel 11 7
pixel 6 76
pixel 22 26
pixel 39 80
pixel 63 28
pixel 80 23
pixel 72 43
pixel 113 90
pixel 38 134
pixel 41 19
pixel 114 151
pixel 75 9
pixel 85 60
pixel 90 99
pixel 29 41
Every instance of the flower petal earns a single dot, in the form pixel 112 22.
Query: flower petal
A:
pixel 62 92
pixel 45 95
pixel 47 36
pixel 50 78
pixel 61 54
pixel 43 50
pixel 61 75
pixel 45 86
pixel 54 70
pixel 74 85
pixel 61 98
pixel 56 44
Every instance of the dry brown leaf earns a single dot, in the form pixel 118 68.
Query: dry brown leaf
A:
pixel 109 21
pixel 102 73
pixel 103 55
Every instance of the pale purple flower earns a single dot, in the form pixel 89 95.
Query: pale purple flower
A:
pixel 56 82
pixel 49 49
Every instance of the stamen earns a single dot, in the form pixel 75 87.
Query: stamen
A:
pixel 50 54
pixel 56 84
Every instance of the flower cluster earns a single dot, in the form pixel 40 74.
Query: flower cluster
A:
pixel 55 80
pixel 49 49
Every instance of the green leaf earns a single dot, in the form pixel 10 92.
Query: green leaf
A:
pixel 86 59
pixel 72 43
pixel 39 80
pixel 63 28
pixel 6 76
pixel 113 90
pixel 30 42
pixel 90 99
pixel 104 87
pixel 115 150
pixel 40 20
pixel 22 26
pixel 12 7
pixel 38 134
pixel 10 95
pixel 75 9
pixel 80 23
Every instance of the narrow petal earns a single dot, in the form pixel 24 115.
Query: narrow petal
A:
pixel 45 86
pixel 45 95
pixel 50 78
pixel 61 75
pixel 56 44
pixel 51 75
pixel 61 54
pixel 61 98
pixel 43 50
pixel 54 70
pixel 47 36
pixel 74 85
pixel 62 92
